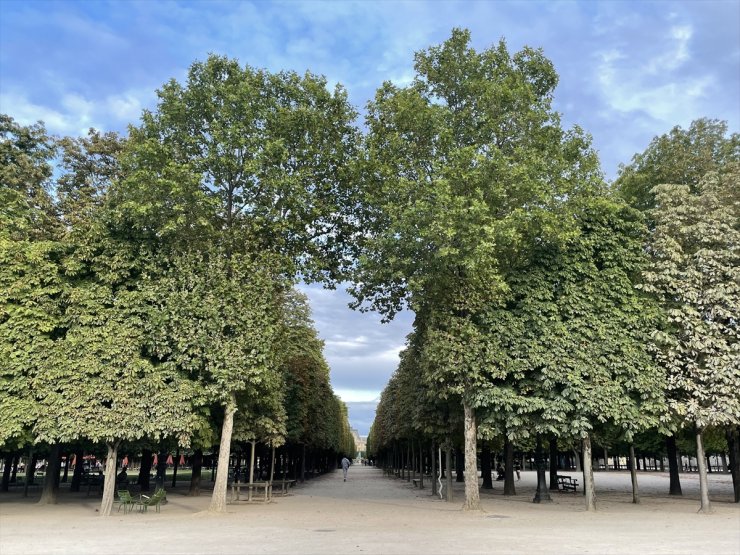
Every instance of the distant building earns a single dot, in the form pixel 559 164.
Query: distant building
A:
pixel 360 443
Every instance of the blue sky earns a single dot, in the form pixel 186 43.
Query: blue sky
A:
pixel 628 71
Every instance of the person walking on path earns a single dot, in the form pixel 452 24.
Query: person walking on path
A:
pixel 345 467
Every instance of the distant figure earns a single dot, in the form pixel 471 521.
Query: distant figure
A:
pixel 499 472
pixel 122 477
pixel 518 470
pixel 345 467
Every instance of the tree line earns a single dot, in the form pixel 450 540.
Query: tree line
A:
pixel 549 303
pixel 147 281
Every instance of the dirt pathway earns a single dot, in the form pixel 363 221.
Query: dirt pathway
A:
pixel 371 513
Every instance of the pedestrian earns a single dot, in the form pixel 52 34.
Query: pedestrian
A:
pixel 518 470
pixel 345 466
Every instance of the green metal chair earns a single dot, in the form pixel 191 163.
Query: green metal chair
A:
pixel 126 501
pixel 155 500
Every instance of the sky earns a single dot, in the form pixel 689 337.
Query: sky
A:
pixel 628 71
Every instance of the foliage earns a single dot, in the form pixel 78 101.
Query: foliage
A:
pixel 695 273
pixel 681 157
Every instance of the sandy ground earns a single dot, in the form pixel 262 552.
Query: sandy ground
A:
pixel 371 513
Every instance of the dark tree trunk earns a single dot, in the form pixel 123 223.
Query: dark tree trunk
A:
pixel 541 495
pixel 145 470
pixel 509 487
pixel 51 479
pixel 675 481
pixel 195 477
pixel 7 468
pixel 459 465
pixel 434 470
pixel 14 473
pixel 421 465
pixel 161 469
pixel 30 471
pixel 448 473
pixel 174 470
pixel 733 443
pixel 553 462
pixel 79 467
pixel 485 465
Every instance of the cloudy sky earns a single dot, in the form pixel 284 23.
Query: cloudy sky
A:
pixel 628 71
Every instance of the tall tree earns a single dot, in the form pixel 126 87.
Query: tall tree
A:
pixel 695 272
pixel 459 163
pixel 245 163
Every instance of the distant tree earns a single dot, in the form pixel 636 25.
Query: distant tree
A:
pixel 680 157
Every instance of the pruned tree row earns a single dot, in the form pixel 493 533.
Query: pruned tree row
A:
pixel 549 305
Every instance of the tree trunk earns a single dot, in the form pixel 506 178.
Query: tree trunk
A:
pixel 195 476
pixel 553 463
pixel 218 498
pixel 7 467
pixel 588 474
pixel 633 475
pixel 448 472
pixel 472 493
pixel 51 480
pixel 14 472
pixel 30 470
pixel 174 470
pixel 421 465
pixel 303 464
pixel 109 484
pixel 577 458
pixel 733 443
pixel 434 470
pixel 145 469
pixel 541 495
pixel 485 466
pixel 675 480
pixel 77 473
pixel 509 487
pixel 161 469
pixel 460 464
pixel 251 469
pixel 606 459
pixel 705 507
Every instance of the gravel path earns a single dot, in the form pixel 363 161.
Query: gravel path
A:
pixel 371 513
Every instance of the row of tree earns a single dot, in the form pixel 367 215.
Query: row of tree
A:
pixel 147 282
pixel 547 302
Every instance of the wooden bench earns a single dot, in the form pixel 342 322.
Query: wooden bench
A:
pixel 236 488
pixel 566 483
pixel 283 485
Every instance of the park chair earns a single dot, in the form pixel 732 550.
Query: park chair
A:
pixel 126 501
pixel 155 500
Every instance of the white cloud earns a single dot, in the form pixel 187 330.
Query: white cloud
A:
pixel 357 395
pixel 656 86
pixel 74 114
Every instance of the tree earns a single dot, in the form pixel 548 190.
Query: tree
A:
pixel 459 165
pixel 681 157
pixel 244 164
pixel 695 249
